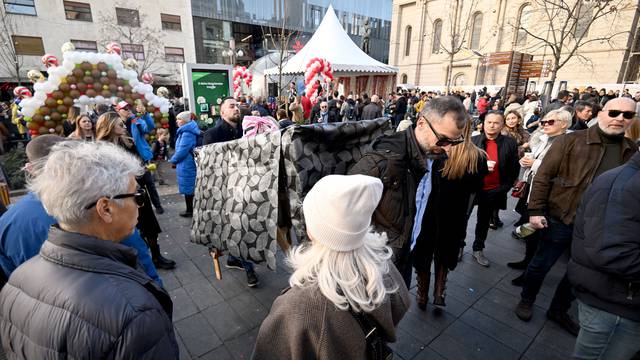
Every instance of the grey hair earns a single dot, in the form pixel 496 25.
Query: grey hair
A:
pixel 560 114
pixel 353 279
pixel 436 109
pixel 184 116
pixel 77 173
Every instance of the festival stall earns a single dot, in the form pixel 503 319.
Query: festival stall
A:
pixel 84 79
pixel 352 70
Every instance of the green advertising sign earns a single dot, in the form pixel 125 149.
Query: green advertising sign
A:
pixel 209 87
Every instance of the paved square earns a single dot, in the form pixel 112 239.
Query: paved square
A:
pixel 219 319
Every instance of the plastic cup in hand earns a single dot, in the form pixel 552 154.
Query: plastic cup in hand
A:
pixel 491 164
pixel 528 154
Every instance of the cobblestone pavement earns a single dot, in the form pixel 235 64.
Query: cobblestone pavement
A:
pixel 219 319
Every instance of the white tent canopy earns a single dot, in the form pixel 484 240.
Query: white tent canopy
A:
pixel 332 43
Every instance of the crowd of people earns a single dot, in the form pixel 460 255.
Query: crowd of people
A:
pixel 66 249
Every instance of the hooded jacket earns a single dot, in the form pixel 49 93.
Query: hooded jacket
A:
pixel 85 298
pixel 183 157
pixel 139 126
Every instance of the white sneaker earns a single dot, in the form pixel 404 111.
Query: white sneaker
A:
pixel 480 258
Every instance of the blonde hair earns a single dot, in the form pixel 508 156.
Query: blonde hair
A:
pixel 463 158
pixel 349 279
pixel 633 132
pixel 104 129
pixel 162 131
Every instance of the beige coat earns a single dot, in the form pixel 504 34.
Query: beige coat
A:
pixel 303 324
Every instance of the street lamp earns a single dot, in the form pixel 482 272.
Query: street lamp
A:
pixel 232 53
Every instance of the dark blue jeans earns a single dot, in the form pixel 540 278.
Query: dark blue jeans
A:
pixel 247 265
pixel 554 241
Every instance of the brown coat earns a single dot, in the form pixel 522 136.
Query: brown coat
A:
pixel 567 170
pixel 303 324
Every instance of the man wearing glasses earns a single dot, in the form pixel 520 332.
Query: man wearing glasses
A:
pixel 502 161
pixel 403 162
pixel 569 167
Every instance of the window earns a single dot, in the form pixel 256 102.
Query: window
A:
pixel 459 80
pixel 437 36
pixel 476 30
pixel 28 45
pixel 407 44
pixel 77 11
pixel 173 54
pixel 85 45
pixel 584 17
pixel 128 17
pixel 23 7
pixel 170 22
pixel 135 51
pixel 404 78
pixel 524 20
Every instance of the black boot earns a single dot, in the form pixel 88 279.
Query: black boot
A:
pixel 531 243
pixel 440 286
pixel 158 260
pixel 188 199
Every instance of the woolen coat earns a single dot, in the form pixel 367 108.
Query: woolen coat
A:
pixel 303 324
pixel 183 157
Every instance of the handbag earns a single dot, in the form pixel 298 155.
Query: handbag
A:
pixel 377 348
pixel 518 189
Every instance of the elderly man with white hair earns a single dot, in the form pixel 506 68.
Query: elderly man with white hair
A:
pixel 84 295
pixel 346 297
pixel 372 110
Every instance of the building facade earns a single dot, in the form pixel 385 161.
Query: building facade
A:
pixel 490 27
pixel 159 37
pixel 252 28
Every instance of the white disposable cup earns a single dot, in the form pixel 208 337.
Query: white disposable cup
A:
pixel 528 154
pixel 491 164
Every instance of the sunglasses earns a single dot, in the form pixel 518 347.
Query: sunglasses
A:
pixel 625 114
pixel 443 140
pixel 549 122
pixel 138 196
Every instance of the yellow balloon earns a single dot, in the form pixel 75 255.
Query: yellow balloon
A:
pixel 60 102
pixel 151 167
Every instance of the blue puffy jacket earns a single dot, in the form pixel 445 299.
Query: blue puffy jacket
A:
pixel 139 127
pixel 187 136
pixel 25 227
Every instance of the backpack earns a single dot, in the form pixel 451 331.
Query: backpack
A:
pixel 351 112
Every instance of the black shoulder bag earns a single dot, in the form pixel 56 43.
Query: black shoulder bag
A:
pixel 377 348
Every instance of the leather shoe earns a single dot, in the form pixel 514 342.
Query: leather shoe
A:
pixel 186 214
pixel 519 281
pixel 520 265
pixel 162 262
pixel 564 321
pixel 480 258
pixel 524 311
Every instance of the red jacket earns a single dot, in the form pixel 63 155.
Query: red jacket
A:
pixel 483 103
pixel 306 106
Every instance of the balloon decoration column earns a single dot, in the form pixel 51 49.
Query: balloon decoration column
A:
pixel 241 75
pixel 84 79
pixel 316 67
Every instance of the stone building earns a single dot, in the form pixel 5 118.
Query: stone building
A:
pixel 489 27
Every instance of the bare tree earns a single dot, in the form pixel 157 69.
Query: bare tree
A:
pixel 10 61
pixel 279 40
pixel 563 26
pixel 458 30
pixel 149 38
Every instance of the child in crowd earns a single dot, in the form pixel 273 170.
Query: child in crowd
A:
pixel 160 150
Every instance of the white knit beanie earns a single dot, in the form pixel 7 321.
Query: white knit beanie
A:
pixel 338 210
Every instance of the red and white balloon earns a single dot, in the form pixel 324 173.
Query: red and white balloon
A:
pixel 316 67
pixel 114 48
pixel 241 75
pixel 147 78
pixel 21 92
pixel 49 60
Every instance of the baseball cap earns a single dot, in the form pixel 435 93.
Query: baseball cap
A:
pixel 122 105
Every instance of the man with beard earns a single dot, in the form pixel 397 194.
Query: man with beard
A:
pixel 228 128
pixel 403 162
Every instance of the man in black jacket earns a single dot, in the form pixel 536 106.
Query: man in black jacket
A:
pixel 228 128
pixel 502 160
pixel 403 161
pixel 373 110
pixel 605 265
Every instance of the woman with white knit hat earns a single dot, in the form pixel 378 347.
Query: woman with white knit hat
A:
pixel 344 287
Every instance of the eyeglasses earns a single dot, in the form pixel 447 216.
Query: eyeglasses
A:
pixel 443 140
pixel 138 196
pixel 625 114
pixel 549 122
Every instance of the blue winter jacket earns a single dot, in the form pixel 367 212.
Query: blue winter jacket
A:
pixel 25 227
pixel 139 127
pixel 186 139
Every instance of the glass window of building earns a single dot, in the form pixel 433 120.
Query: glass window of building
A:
pixel 476 30
pixel 135 51
pixel 23 7
pixel 128 17
pixel 85 45
pixel 404 78
pixel 437 36
pixel 28 45
pixel 77 11
pixel 407 43
pixel 524 21
pixel 585 15
pixel 173 54
pixel 170 22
